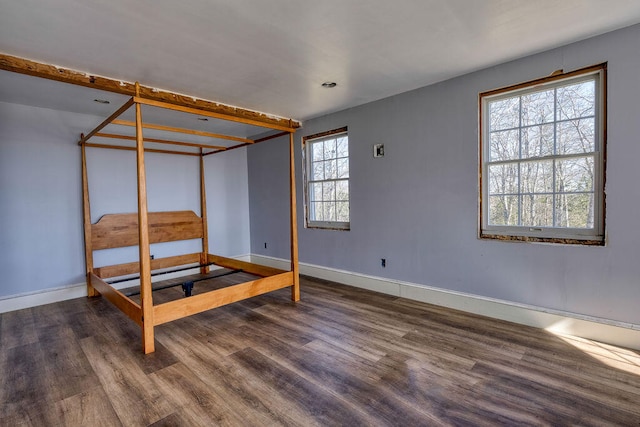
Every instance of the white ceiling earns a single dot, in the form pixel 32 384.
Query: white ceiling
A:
pixel 273 55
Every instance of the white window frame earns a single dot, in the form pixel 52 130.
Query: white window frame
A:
pixel 584 236
pixel 307 141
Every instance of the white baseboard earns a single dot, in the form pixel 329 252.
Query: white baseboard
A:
pixel 555 321
pixel 48 296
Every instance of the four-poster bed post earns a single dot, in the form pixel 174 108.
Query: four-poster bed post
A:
pixel 295 289
pixel 86 211
pixel 203 213
pixel 145 228
pixel 146 297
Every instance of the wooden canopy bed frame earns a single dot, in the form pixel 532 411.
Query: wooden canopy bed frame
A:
pixel 144 228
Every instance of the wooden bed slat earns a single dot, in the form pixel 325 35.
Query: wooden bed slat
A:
pixel 117 298
pixel 234 264
pixel 156 264
pixel 178 309
pixel 120 230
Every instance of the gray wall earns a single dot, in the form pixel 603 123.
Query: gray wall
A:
pixel 417 206
pixel 41 236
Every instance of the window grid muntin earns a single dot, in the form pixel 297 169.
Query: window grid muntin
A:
pixel 595 74
pixel 312 203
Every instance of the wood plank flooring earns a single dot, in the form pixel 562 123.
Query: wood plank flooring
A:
pixel 340 356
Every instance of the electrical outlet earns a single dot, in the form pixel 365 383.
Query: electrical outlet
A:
pixel 383 262
pixel 378 150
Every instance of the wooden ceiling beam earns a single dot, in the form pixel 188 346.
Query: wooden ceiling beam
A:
pixel 52 72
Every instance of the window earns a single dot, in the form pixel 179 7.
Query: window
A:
pixel 326 179
pixel 542 158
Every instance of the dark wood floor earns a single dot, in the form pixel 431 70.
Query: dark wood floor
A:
pixel 341 356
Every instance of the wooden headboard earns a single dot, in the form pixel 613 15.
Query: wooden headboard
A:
pixel 120 230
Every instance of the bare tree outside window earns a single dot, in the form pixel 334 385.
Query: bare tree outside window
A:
pixel 543 164
pixel 326 169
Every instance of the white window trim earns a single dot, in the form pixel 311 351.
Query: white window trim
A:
pixel 306 161
pixel 593 236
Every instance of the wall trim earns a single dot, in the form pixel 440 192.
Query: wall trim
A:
pixel 555 321
pixel 63 293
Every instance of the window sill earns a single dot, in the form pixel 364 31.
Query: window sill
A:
pixel 329 226
pixel 553 240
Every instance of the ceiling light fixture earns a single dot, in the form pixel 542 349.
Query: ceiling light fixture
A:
pixel 329 85
pixel 102 101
